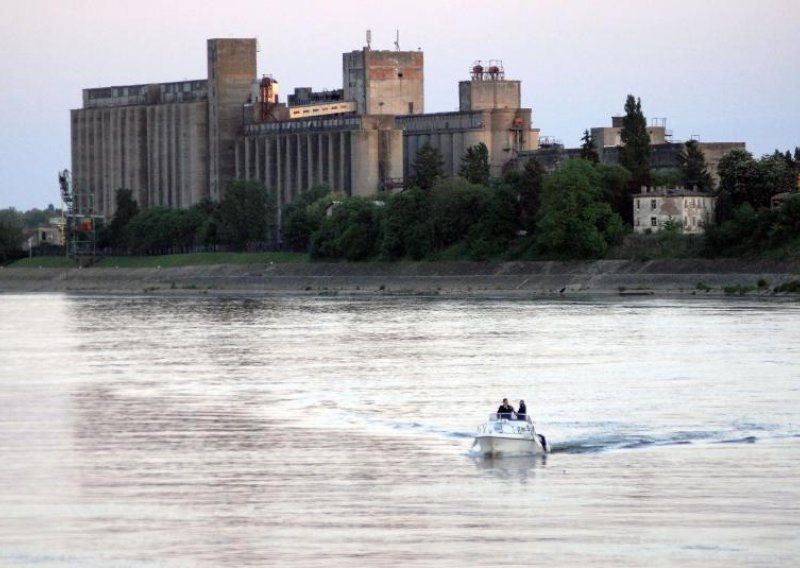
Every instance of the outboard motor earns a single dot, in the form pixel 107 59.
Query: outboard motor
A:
pixel 543 442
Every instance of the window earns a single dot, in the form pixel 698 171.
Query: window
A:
pixel 653 221
pixel 653 204
pixel 637 204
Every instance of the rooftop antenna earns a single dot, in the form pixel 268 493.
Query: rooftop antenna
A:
pixel 397 41
pixel 369 39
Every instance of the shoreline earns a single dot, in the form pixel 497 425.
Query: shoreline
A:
pixel 720 277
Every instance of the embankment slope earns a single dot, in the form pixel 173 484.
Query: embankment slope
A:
pixel 597 277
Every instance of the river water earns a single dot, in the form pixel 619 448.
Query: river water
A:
pixel 256 431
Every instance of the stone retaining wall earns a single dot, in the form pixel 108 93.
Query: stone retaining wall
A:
pixel 684 276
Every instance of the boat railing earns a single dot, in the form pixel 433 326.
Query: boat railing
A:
pixel 495 417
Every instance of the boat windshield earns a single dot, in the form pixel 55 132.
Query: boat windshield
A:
pixel 494 417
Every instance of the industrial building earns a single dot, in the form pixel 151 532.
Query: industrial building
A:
pixel 172 144
pixel 175 144
pixel 608 139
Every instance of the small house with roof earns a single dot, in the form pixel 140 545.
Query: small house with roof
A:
pixel 655 207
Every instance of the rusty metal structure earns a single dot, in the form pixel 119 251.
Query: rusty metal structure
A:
pixel 80 222
pixel 492 72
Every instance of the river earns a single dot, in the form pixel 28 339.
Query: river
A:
pixel 236 430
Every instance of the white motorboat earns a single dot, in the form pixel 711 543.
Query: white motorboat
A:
pixel 505 436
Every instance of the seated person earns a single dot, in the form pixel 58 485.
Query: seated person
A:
pixel 522 413
pixel 505 410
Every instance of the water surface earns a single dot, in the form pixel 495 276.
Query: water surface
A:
pixel 253 431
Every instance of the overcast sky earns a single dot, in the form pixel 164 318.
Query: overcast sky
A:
pixel 723 70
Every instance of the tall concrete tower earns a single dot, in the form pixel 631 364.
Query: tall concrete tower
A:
pixel 488 89
pixel 384 82
pixel 231 73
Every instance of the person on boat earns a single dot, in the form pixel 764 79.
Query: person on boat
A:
pixel 522 413
pixel 505 410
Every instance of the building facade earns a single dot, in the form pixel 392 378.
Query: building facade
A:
pixel 655 207
pixel 354 154
pixel 172 144
pixel 490 113
pixel 384 82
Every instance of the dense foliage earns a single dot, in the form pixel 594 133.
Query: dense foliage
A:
pixel 247 214
pixel 115 234
pixel 246 218
pixel 751 232
pixel 745 180
pixel 575 221
pixel 11 226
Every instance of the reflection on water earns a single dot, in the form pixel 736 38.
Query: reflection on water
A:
pixel 252 431
pixel 512 468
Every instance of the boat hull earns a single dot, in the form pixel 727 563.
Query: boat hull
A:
pixel 508 445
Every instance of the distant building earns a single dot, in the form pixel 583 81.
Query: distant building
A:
pixel 777 200
pixel 43 235
pixel 172 144
pixel 608 139
pixel 655 206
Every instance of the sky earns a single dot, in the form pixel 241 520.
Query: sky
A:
pixel 720 70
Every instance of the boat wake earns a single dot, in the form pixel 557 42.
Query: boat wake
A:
pixel 597 438
pixel 596 444
pixel 572 437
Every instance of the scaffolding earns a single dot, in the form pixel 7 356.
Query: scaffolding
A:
pixel 79 221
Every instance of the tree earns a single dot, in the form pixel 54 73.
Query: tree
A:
pixel 615 181
pixel 456 207
pixel 126 208
pixel 776 176
pixel 635 151
pixel 406 226
pixel 208 229
pixel 588 150
pixel 247 214
pixel 352 232
pixel 152 231
pixel 574 221
pixel 10 234
pixel 427 167
pixel 693 167
pixel 527 184
pixel 739 183
pixel 300 219
pixel 475 164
